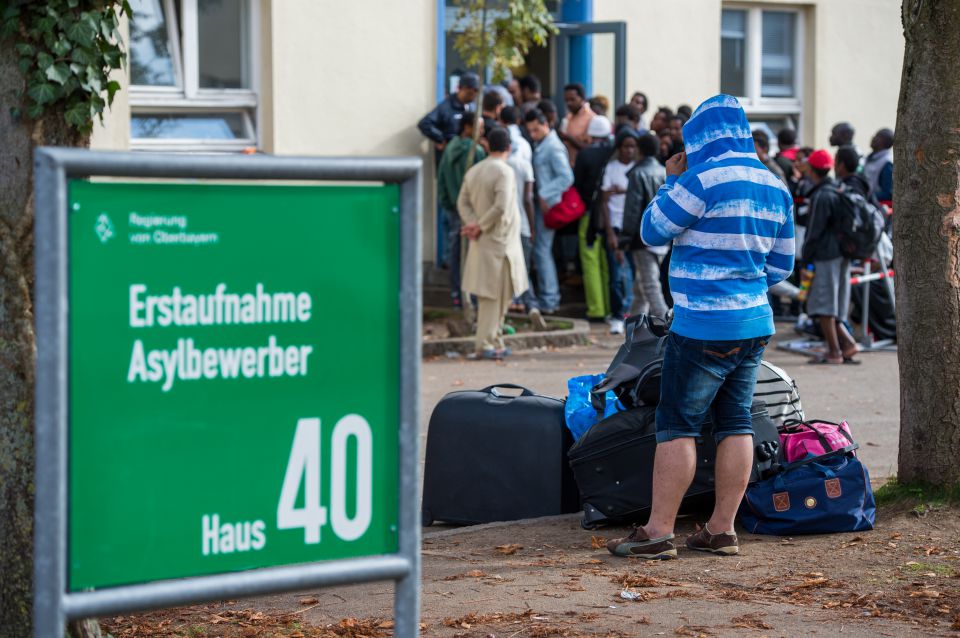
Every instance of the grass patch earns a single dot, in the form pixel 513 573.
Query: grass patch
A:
pixel 939 570
pixel 924 496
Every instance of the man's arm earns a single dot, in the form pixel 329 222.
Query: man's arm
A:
pixel 780 259
pixel 885 186
pixel 444 192
pixel 528 206
pixel 464 206
pixel 563 178
pixel 430 126
pixel 678 205
pixel 820 208
pixel 491 217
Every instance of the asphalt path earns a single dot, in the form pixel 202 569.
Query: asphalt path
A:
pixel 867 396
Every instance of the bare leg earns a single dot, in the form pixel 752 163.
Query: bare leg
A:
pixel 846 341
pixel 734 461
pixel 829 327
pixel 673 468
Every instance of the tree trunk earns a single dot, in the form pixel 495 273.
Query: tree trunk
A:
pixel 927 240
pixel 18 138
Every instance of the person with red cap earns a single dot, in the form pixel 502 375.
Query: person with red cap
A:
pixel 829 297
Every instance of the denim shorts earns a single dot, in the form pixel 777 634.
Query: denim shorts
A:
pixel 700 376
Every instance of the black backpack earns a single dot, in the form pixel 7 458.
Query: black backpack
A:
pixel 634 373
pixel 859 225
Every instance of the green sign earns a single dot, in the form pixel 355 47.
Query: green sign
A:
pixel 233 377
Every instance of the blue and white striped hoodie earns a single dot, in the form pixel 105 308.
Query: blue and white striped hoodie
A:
pixel 731 223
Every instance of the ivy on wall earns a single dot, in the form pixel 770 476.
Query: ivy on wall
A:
pixel 67 50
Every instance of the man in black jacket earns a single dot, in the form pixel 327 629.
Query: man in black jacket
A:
pixel 645 180
pixel 443 123
pixel 587 173
pixel 829 296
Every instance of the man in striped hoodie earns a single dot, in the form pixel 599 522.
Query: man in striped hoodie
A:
pixel 731 223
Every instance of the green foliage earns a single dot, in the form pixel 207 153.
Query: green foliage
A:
pixel 925 496
pixel 67 49
pixel 498 34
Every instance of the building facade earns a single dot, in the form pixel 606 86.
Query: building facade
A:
pixel 319 77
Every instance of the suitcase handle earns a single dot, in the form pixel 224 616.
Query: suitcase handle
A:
pixel 492 389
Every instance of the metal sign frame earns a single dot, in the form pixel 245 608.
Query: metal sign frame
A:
pixel 53 605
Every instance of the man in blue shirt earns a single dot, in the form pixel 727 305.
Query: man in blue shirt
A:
pixel 731 224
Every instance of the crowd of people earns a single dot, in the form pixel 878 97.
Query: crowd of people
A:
pixel 498 195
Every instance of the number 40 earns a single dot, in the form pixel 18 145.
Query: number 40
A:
pixel 304 466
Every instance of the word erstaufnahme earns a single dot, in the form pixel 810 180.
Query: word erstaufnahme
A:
pixel 187 362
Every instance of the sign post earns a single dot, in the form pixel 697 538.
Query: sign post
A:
pixel 227 380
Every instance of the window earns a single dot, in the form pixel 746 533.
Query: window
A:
pixel 191 75
pixel 733 52
pixel 761 60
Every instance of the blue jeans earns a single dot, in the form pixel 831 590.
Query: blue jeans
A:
pixel 453 250
pixel 621 283
pixel 548 287
pixel 698 375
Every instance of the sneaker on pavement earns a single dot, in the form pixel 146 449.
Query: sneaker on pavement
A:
pixel 638 545
pixel 536 320
pixel 703 541
pixel 616 326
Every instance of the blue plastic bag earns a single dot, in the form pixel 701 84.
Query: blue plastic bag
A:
pixel 579 412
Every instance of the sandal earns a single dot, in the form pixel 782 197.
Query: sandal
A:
pixel 850 361
pixel 824 361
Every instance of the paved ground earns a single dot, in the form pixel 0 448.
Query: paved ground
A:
pixel 550 578
pixel 867 395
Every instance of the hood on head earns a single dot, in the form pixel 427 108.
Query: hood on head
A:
pixel 718 129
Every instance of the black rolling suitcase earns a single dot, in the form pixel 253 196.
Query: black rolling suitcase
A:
pixel 613 464
pixel 496 457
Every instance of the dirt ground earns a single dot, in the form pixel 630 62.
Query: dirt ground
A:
pixel 550 578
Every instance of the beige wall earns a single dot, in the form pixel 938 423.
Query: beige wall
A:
pixel 673 47
pixel 349 78
pixel 852 59
pixel 859 55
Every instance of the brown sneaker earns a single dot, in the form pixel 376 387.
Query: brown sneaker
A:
pixel 638 545
pixel 704 541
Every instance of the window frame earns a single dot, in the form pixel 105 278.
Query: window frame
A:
pixel 754 103
pixel 188 97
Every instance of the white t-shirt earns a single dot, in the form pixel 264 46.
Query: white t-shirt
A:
pixel 518 145
pixel 523 169
pixel 615 176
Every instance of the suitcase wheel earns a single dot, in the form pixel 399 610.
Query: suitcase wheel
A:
pixel 592 518
pixel 426 517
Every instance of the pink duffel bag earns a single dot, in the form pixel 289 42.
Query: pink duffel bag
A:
pixel 803 439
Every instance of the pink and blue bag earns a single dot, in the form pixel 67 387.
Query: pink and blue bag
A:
pixel 803 439
pixel 821 488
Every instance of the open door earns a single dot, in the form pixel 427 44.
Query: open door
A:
pixel 601 47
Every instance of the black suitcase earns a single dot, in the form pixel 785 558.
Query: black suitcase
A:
pixel 613 464
pixel 496 457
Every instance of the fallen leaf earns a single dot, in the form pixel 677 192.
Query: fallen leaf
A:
pixel 925 593
pixel 309 601
pixel 749 621
pixel 475 573
pixel 508 550
pixel 598 542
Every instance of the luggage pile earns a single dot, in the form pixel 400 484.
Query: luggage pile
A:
pixel 498 456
